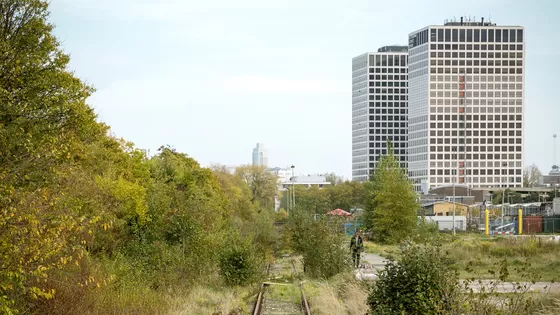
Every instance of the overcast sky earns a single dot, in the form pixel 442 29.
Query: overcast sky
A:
pixel 213 78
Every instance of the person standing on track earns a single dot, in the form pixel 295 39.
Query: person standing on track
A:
pixel 356 246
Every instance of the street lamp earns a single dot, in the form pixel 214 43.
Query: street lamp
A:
pixel 293 188
pixel 288 202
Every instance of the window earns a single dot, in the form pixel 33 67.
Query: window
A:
pixel 447 35
pixel 384 61
pixel 432 35
pixel 455 35
pixel 505 36
pixel 483 37
pixel 440 35
pixel 519 36
pixel 469 35
pixel 477 36
pixel 462 35
pixel 490 38
pixel 512 36
pixel 498 36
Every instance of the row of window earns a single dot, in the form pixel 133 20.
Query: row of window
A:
pixel 388 84
pixel 388 60
pixel 477 86
pixel 441 70
pixel 469 132
pixel 478 172
pixel 476 62
pixel 476 35
pixel 476 180
pixel 388 118
pixel 388 91
pixel 389 77
pixel 387 125
pixel 387 104
pixel 389 132
pixel 393 139
pixel 476 164
pixel 475 140
pixel 402 164
pixel 387 111
pixel 383 144
pixel 388 97
pixel 461 148
pixel 475 102
pixel 475 117
pixel 388 70
pixel 476 133
pixel 475 156
pixel 381 152
pixel 477 78
pixel 475 47
pixel 475 94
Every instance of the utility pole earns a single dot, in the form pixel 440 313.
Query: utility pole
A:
pixel 503 205
pixel 454 207
pixel 554 163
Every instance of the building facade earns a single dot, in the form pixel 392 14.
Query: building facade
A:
pixel 379 108
pixel 465 105
pixel 260 155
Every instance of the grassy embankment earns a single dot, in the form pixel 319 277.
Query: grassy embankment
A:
pixel 542 257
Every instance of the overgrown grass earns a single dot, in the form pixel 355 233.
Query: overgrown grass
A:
pixel 387 251
pixel 288 293
pixel 213 300
pixel 541 257
pixel 342 294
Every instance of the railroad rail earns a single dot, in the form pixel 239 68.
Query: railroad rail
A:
pixel 279 297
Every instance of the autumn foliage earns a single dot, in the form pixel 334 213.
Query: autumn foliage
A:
pixel 89 223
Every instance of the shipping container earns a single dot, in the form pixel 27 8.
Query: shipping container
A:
pixel 532 224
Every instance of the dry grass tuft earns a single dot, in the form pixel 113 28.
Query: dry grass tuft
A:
pixel 355 297
pixel 326 301
pixel 204 300
pixel 342 295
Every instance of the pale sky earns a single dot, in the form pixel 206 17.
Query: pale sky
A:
pixel 213 78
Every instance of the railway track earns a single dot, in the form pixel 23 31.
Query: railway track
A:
pixel 283 293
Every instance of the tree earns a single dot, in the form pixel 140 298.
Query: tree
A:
pixel 510 197
pixel 531 176
pixel 312 200
pixel 333 179
pixel 263 184
pixel 347 195
pixel 45 126
pixel 393 206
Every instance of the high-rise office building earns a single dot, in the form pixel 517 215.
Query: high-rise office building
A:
pixel 260 155
pixel 379 108
pixel 465 105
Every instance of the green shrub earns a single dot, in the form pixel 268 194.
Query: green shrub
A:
pixel 421 282
pixel 239 263
pixel 324 250
pixel 425 231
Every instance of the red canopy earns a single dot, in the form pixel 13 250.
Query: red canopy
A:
pixel 339 212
